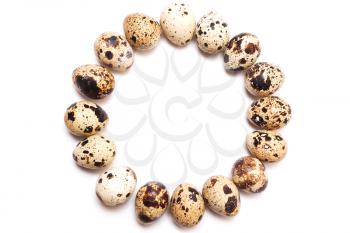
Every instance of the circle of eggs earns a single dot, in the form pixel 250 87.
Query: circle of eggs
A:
pixel 114 51
pixel 187 205
pixel 115 185
pixel 94 152
pixel 93 81
pixel 141 31
pixel 248 174
pixel 221 195
pixel 178 23
pixel 151 202
pixel 85 118
pixel 211 33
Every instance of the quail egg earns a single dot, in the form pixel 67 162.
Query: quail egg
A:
pixel 249 174
pixel 263 79
pixel 93 81
pixel 115 185
pixel 94 152
pixel 85 118
pixel 221 196
pixel 141 31
pixel 269 113
pixel 151 202
pixel 178 23
pixel 267 146
pixel 211 33
pixel 241 52
pixel 187 205
pixel 114 51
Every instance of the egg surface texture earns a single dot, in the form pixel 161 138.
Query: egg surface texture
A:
pixel 151 202
pixel 85 118
pixel 187 205
pixel 115 185
pixel 94 152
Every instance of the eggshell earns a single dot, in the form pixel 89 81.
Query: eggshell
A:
pixel 178 23
pixel 212 33
pixel 115 185
pixel 221 196
pixel 187 205
pixel 151 202
pixel 114 51
pixel 142 31
pixel 95 152
pixel 85 118
pixel 249 174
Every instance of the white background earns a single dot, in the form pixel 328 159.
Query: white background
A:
pixel 42 190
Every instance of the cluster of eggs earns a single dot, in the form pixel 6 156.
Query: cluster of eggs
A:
pixel 115 53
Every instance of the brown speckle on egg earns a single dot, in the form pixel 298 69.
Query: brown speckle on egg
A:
pixel 221 195
pixel 211 36
pixel 94 152
pixel 248 174
pixel 88 117
pixel 151 202
pixel 187 205
pixel 263 79
pixel 93 81
pixel 109 46
pixel 241 52
pixel 141 31
pixel 269 113
pixel 266 145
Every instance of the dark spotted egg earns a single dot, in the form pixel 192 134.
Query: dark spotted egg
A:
pixel 115 185
pixel 141 31
pixel 266 145
pixel 95 152
pixel 114 51
pixel 221 196
pixel 93 81
pixel 263 79
pixel 212 33
pixel 241 52
pixel 187 205
pixel 269 113
pixel 248 174
pixel 85 118
pixel 151 202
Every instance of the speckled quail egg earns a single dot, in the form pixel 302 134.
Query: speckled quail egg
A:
pixel 93 81
pixel 115 185
pixel 241 52
pixel 187 205
pixel 269 112
pixel 221 196
pixel 85 118
pixel 94 152
pixel 263 79
pixel 211 33
pixel 266 145
pixel 151 202
pixel 114 51
pixel 178 23
pixel 141 31
pixel 248 174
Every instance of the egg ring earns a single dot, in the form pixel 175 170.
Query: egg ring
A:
pixel 220 194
